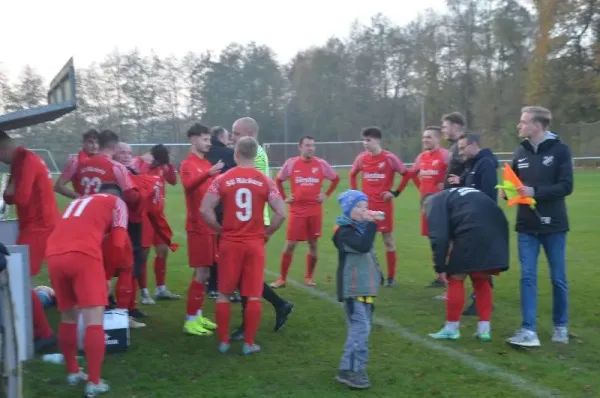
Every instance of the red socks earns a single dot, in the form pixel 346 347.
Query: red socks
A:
pixel 67 341
pixel 223 317
pixel 143 279
pixel 160 270
pixel 286 262
pixel 195 297
pixel 483 298
pixel 93 345
pixel 456 299
pixel 41 327
pixel 251 320
pixel 123 288
pixel 311 263
pixel 390 258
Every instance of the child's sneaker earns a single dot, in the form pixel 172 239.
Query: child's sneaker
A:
pixel 343 376
pixel 93 390
pixel 359 380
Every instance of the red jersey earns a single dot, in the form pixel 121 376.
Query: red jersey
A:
pixel 378 172
pixel 306 181
pixel 196 179
pixel 70 171
pixel 33 192
pixel 140 165
pixel 431 167
pixel 167 175
pixel 85 222
pixel 244 192
pixel 99 169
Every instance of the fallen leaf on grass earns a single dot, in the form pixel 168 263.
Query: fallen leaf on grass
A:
pixel 418 375
pixel 461 377
pixel 523 368
pixel 329 279
pixel 587 388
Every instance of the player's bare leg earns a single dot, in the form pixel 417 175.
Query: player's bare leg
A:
pixel 67 342
pixel 94 348
pixel 195 321
pixel 286 262
pixel 311 263
pixel 390 257
pixel 145 297
pixel 160 273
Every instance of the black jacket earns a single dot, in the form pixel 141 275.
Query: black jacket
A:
pixel 218 151
pixel 456 166
pixel 474 225
pixel 549 171
pixel 481 173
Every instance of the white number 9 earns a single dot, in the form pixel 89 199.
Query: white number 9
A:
pixel 243 200
pixel 91 185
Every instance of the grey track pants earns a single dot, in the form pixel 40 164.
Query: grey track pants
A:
pixel 356 349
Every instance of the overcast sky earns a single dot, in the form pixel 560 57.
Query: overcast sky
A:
pixel 46 33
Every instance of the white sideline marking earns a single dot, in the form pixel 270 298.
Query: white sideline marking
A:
pixel 497 372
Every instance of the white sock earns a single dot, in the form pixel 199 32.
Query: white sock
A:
pixel 452 326
pixel 483 327
pixel 161 288
pixel 190 317
pixel 199 314
pixel 145 291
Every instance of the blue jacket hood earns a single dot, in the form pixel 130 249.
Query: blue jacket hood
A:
pixel 486 153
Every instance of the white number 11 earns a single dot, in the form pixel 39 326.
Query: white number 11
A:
pixel 78 206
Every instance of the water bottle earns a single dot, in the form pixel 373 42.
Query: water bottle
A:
pixel 377 215
pixel 57 359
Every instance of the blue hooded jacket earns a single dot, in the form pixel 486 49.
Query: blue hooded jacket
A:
pixel 482 174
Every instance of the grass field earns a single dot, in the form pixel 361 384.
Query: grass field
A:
pixel 301 359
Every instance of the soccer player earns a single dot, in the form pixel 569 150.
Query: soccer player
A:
pixel 196 175
pixel 244 191
pixel 468 233
pixel 30 189
pixel 162 167
pixel 69 174
pixel 248 127
pixel 75 267
pixel 378 168
pixel 306 174
pixel 428 173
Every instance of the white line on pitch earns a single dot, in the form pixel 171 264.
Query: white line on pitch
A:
pixel 468 360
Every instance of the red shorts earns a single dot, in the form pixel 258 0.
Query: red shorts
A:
pixel 301 229
pixel 242 264
pixel 424 230
pixel 78 281
pixel 202 249
pixel 37 248
pixel 386 225
pixel 165 230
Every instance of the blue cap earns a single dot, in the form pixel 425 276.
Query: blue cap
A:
pixel 349 199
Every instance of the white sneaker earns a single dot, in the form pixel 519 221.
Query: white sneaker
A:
pixel 135 324
pixel 145 299
pixel 93 390
pixel 560 335
pixel 524 338
pixel 75 378
pixel 165 294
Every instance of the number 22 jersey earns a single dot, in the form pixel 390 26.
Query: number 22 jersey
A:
pixel 244 193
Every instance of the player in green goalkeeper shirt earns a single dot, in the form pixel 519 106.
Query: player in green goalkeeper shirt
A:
pixel 247 127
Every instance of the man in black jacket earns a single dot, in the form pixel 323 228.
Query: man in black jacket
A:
pixel 544 165
pixel 469 236
pixel 480 173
